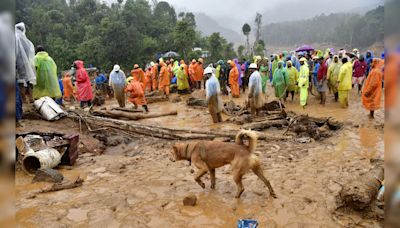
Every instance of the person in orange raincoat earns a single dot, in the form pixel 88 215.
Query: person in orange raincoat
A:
pixel 68 88
pixel 148 80
pixel 372 90
pixel 138 74
pixel 154 75
pixel 135 94
pixel 192 70
pixel 164 79
pixel 199 72
pixel 234 79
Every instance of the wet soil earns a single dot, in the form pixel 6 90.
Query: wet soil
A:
pixel 134 184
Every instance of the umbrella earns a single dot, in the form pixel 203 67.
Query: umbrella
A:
pixel 350 54
pixel 171 54
pixel 304 48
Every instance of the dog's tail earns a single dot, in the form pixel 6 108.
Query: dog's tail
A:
pixel 252 139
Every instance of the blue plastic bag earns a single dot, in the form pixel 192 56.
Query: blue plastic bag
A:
pixel 247 223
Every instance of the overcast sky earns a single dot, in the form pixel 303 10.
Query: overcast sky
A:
pixel 243 9
pixel 233 12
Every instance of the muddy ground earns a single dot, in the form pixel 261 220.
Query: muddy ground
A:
pixel 134 184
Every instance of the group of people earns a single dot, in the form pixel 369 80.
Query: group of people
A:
pixel 288 73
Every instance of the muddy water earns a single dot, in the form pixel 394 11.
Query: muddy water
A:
pixel 135 185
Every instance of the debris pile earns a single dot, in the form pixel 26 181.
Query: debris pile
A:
pixel 45 150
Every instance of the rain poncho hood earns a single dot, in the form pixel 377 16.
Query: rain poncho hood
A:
pixel 24 56
pixel 46 77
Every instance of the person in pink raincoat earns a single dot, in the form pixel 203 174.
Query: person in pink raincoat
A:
pixel 85 93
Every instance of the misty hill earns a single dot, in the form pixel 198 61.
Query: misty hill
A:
pixel 301 10
pixel 207 25
pixel 345 29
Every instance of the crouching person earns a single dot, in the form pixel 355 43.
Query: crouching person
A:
pixel 256 100
pixel 135 93
pixel 213 95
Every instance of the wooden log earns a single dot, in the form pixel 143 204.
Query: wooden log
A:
pixel 127 109
pixel 170 133
pixel 151 100
pixel 61 186
pixel 359 192
pixel 135 116
pixel 266 124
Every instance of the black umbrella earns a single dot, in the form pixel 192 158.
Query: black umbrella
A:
pixel 171 54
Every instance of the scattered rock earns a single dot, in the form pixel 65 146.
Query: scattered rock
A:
pixel 113 141
pixel 48 175
pixel 176 99
pixel 190 200
pixel 196 102
pixel 99 170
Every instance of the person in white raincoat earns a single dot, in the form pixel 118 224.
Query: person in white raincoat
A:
pixel 118 82
pixel 213 95
pixel 25 65
pixel 256 100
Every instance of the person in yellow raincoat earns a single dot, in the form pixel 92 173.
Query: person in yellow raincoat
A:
pixel 344 81
pixel 303 81
pixel 293 76
pixel 333 74
pixel 46 76
pixel 182 80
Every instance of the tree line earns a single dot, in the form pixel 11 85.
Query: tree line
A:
pixel 343 29
pixel 102 35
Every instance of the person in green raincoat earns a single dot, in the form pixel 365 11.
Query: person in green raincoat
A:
pixel 333 74
pixel 293 76
pixel 280 81
pixel 274 64
pixel 182 80
pixel 264 72
pixel 303 81
pixel 46 76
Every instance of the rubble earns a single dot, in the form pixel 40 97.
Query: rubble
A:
pixel 190 200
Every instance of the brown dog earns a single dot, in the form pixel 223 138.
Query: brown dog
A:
pixel 209 155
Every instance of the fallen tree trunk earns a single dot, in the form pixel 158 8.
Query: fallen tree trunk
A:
pixel 266 124
pixel 169 133
pixel 127 109
pixel 151 100
pixel 359 192
pixel 135 116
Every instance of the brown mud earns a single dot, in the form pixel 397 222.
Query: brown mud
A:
pixel 134 184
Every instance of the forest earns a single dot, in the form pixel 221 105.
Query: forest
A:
pixel 121 33
pixel 341 29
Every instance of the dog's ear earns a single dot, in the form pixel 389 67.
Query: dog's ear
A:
pixel 175 151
